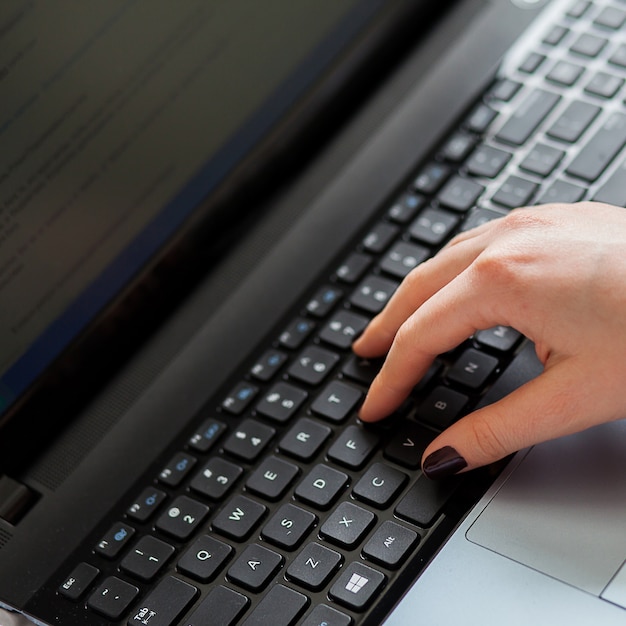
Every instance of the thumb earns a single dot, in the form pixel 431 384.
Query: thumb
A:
pixel 553 404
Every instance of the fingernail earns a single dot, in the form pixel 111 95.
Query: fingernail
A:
pixel 443 462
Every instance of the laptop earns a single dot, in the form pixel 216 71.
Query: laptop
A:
pixel 202 205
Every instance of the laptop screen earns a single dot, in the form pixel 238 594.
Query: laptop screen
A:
pixel 116 120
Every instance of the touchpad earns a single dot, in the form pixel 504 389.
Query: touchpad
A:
pixel 563 510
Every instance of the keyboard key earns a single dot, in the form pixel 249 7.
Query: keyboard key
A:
pixel 527 117
pixel 390 544
pixel 353 268
pixel 614 189
pixel 237 401
pixel 343 328
pixel 222 606
pixel 77 583
pixel 205 437
pixel 578 8
pixel 379 485
pixel 353 447
pixel 408 443
pixel 380 237
pixel 347 524
pixel 296 333
pixel 425 500
pixel 254 568
pixel 238 517
pixel 542 160
pixel 561 191
pixel 361 370
pixel 323 301
pixel 164 604
pixel 430 179
pixel 249 440
pixel 177 469
pixel 357 586
pixel 313 365
pixel 268 365
pixel 442 407
pixel 146 504
pixel 216 478
pixel 336 401
pixel 114 540
pixel 619 56
pixel 373 293
pixel 280 607
pixel 611 18
pixel 147 558
pixel 402 258
pixel 305 439
pixel 433 226
pixel 555 35
pixel 480 119
pixel 532 62
pixel 487 161
pixel 282 401
pixel 460 194
pixel 458 147
pixel 479 216
pixel 604 85
pixel 574 121
pixel 314 566
pixel 182 518
pixel 204 559
pixel 323 615
pixel 472 369
pixel 112 597
pixel 502 338
pixel 405 209
pixel 321 486
pixel 504 90
pixel 271 478
pixel 600 150
pixel 515 192
pixel 288 527
pixel 589 45
pixel 565 73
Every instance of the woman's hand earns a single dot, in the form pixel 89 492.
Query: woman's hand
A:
pixel 556 273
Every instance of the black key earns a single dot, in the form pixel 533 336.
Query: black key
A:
pixel 402 258
pixel 561 191
pixel 442 407
pixel 532 62
pixel 254 568
pixel 147 558
pixel 487 161
pixel 578 8
pixel 353 268
pixel 237 401
pixel 479 216
pixel 373 293
pixel 458 147
pixel 216 478
pixel 542 160
pixel 408 444
pixel 249 440
pixel 305 439
pixel 282 401
pixel 504 90
pixel 405 209
pixel 323 615
pixel 472 368
pixel 222 606
pixel 380 237
pixel 555 35
pixel 343 328
pixel 78 581
pixel 430 179
pixel 614 189
pixel 176 470
pixel 321 486
pixel 515 192
pixel 379 485
pixel 146 504
pixel 281 606
pixel 460 194
pixel 574 121
pixel 238 517
pixel 289 526
pixel 313 365
pixel 611 18
pixel 296 333
pixel 588 45
pixel 336 401
pixel 361 370
pixel 314 566
pixel 600 150
pixel 347 524
pixel 357 586
pixel 114 540
pixel 433 226
pixel 390 544
pixel 208 433
pixel 112 597
pixel 619 56
pixel 204 558
pixel 565 73
pixel 527 117
pixel 182 517
pixel 268 365
pixel 480 119
pixel 424 501
pixel 323 301
pixel 502 338
pixel 164 604
pixel 604 85
pixel 271 478
pixel 353 447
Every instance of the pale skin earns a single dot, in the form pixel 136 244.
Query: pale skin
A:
pixel 557 274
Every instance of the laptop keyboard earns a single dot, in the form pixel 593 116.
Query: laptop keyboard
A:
pixel 279 506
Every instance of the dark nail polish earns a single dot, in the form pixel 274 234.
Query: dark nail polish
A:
pixel 443 462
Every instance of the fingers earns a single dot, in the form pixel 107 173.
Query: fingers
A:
pixel 555 403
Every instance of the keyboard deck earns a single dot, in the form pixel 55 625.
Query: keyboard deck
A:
pixel 278 506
